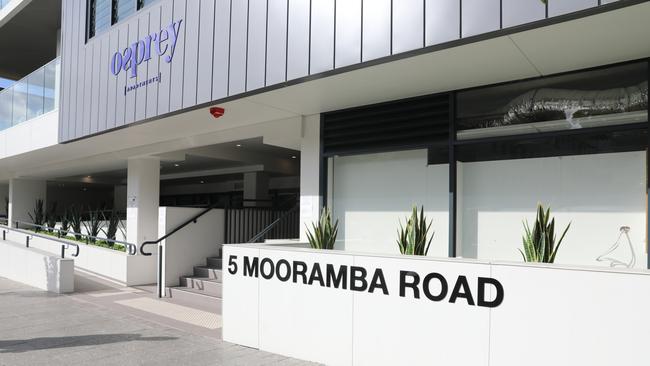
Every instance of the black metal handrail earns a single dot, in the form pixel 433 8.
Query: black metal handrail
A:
pixel 193 220
pixel 64 243
pixel 131 248
pixel 271 226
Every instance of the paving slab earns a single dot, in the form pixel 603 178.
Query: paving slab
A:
pixel 37 328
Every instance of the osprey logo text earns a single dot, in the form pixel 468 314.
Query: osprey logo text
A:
pixel 163 42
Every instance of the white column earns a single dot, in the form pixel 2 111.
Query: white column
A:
pixel 143 198
pixel 310 199
pixel 23 194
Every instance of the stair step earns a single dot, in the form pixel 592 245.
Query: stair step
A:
pixel 207 272
pixel 203 284
pixel 195 299
pixel 214 262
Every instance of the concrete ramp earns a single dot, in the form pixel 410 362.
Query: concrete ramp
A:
pixel 36 268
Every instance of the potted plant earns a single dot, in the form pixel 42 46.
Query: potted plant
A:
pixel 540 242
pixel 323 235
pixel 412 238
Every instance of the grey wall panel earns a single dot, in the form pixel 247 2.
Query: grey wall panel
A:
pixel 206 39
pixel 376 29
pixel 322 36
pixel 143 71
pixel 122 79
pixel 153 66
pixel 96 88
pixel 238 48
pixel 256 46
pixel 87 90
pixel 164 67
pixel 66 62
pixel 130 97
pixel 298 39
pixel 103 83
pixel 516 12
pixel 178 62
pixel 442 21
pixel 559 7
pixel 81 79
pixel 348 33
pixel 408 25
pixel 190 70
pixel 112 91
pixel 276 47
pixel 221 55
pixel 480 16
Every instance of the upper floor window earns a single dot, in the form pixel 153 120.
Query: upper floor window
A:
pixel 104 13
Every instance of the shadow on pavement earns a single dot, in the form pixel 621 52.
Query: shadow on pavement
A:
pixel 44 343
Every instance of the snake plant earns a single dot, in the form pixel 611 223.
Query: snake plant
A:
pixel 323 235
pixel 412 238
pixel 38 218
pixel 540 243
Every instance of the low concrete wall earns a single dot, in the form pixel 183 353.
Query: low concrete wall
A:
pixel 36 268
pixel 406 310
pixel 128 270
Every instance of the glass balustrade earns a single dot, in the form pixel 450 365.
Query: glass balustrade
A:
pixel 30 97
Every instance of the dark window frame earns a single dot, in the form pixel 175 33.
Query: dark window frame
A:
pixel 90 15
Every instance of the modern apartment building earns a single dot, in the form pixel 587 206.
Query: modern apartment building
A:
pixel 236 121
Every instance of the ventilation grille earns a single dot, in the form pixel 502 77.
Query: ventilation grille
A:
pixel 407 124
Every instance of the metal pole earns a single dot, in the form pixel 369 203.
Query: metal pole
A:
pixel 4 235
pixel 160 264
pixel 62 251
pixel 27 241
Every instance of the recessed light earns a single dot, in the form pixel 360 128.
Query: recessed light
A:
pixel 293 157
pixel 177 165
pixel 202 182
pixel 238 145
pixel 89 176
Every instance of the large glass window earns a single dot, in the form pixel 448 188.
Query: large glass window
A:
pixel 372 194
pixel 612 96
pixel 575 144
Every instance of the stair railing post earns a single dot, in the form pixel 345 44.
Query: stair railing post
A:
pixel 161 253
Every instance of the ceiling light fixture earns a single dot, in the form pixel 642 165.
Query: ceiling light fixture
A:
pixel 202 182
pixel 293 157
pixel 238 145
pixel 177 165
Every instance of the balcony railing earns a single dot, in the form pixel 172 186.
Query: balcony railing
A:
pixel 32 96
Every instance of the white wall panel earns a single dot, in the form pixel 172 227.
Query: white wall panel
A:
pixel 95 88
pixel 276 47
pixel 376 29
pixel 121 79
pixel 103 75
pixel 221 55
pixel 206 39
pixel 322 36
pixel 559 7
pixel 165 68
pixel 298 39
pixel 408 25
pixel 442 21
pixel 238 47
pixel 112 91
pixel 178 63
pixel 348 33
pixel 191 52
pixel 153 66
pixel 480 16
pixel 129 110
pixel 256 48
pixel 517 12
pixel 143 72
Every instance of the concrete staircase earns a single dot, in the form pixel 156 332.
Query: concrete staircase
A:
pixel 203 290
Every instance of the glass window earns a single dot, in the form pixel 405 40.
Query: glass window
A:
pixel 6 109
pixel 603 97
pixel 530 143
pixel 35 93
pixel 143 3
pixel 100 16
pixel 372 194
pixel 122 9
pixel 19 102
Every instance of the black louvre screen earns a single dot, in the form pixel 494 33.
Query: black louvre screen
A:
pixel 412 123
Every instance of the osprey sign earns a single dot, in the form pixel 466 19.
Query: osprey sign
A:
pixel 163 44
